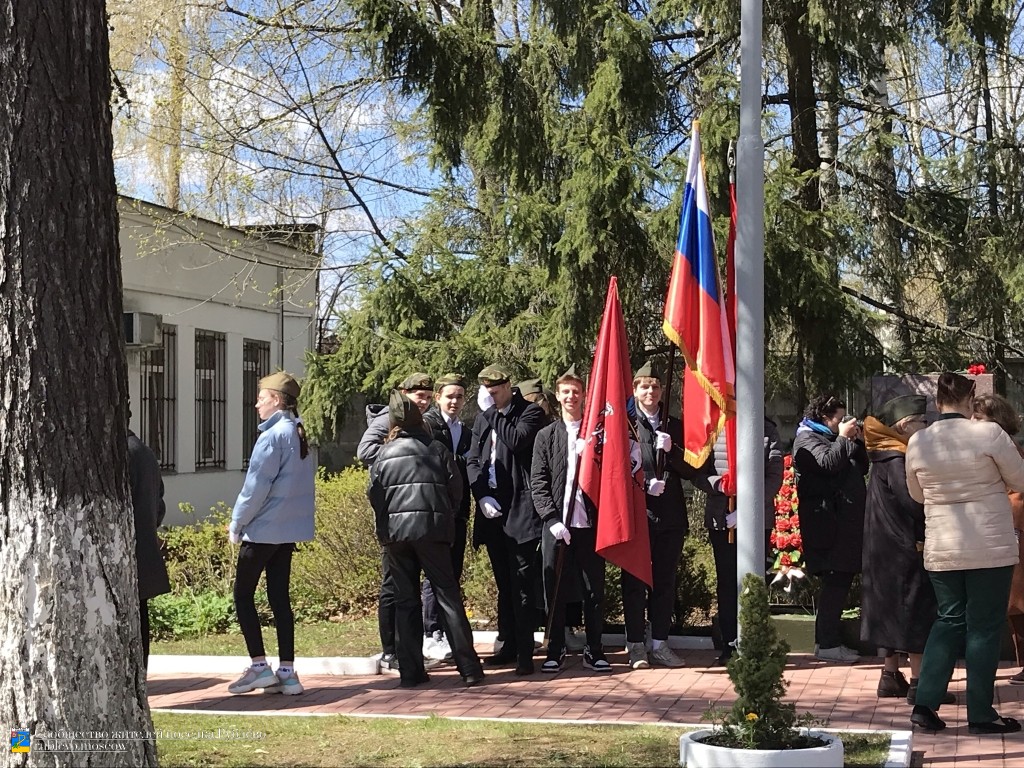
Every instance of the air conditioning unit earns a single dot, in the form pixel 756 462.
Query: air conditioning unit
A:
pixel 142 329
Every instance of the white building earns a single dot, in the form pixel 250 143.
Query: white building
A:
pixel 209 310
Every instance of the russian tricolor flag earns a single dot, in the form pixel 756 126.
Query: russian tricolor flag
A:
pixel 695 319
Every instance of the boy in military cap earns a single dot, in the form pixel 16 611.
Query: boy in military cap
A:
pixel 419 388
pixel 498 465
pixel 443 419
pixel 661 439
pixel 532 391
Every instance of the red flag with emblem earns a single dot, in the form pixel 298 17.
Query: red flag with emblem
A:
pixel 609 475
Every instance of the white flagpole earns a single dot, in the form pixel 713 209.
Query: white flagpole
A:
pixel 750 301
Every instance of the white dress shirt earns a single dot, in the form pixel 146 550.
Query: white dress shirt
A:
pixel 577 515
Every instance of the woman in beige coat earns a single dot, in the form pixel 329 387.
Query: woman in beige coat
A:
pixel 961 469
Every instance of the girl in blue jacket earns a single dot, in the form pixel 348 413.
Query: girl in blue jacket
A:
pixel 274 510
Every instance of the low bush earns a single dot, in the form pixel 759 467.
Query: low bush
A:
pixel 188 614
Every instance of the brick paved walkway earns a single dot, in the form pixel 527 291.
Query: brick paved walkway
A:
pixel 844 696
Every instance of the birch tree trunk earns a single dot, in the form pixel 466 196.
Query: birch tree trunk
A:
pixel 70 655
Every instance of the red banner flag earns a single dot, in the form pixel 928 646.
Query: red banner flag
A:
pixel 695 319
pixel 608 475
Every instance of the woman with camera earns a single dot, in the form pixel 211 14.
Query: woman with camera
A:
pixel 830 462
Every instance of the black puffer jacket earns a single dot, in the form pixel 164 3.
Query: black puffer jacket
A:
pixel 415 488
pixel 830 482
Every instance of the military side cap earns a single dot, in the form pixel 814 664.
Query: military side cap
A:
pixel 417 381
pixel 493 374
pixel 450 379
pixel 530 387
pixel 900 407
pixel 403 412
pixel 281 382
pixel 648 370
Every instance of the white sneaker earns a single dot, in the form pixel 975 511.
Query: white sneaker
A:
pixel 289 685
pixel 252 679
pixel 664 656
pixel 444 649
pixel 840 654
pixel 637 656
pixel 436 647
pixel 430 649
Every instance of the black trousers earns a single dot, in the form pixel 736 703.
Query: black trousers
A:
pixel 432 617
pixel 658 602
pixel 144 626
pixel 276 560
pixel 582 562
pixel 523 578
pixel 498 554
pixel 386 607
pixel 835 585
pixel 727 590
pixel 406 561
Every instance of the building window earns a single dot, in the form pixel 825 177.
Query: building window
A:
pixel 158 411
pixel 255 365
pixel 211 403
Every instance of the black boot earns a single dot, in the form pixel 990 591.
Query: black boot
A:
pixel 892 685
pixel 926 719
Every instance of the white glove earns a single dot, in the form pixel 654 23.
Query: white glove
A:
pixel 730 520
pixel 234 538
pixel 484 398
pixel 490 507
pixel 663 441
pixel 636 458
pixel 655 487
pixel 580 445
pixel 560 532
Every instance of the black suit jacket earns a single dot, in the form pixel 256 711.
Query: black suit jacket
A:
pixel 516 432
pixel 549 474
pixel 443 433
pixel 666 512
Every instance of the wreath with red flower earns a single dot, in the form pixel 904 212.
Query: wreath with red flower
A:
pixel 785 538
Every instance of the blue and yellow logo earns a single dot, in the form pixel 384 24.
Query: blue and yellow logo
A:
pixel 21 740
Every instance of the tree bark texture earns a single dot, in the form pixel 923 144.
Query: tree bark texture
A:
pixel 70 655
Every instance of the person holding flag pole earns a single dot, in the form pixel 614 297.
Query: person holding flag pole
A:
pixel 569 517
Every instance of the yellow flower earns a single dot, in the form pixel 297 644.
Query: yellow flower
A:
pixel 751 716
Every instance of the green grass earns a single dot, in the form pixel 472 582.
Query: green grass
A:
pixel 346 741
pixel 865 749
pixel 351 637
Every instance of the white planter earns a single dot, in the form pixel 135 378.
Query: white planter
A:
pixel 695 754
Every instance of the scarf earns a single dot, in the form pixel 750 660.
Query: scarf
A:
pixel 879 437
pixel 814 426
